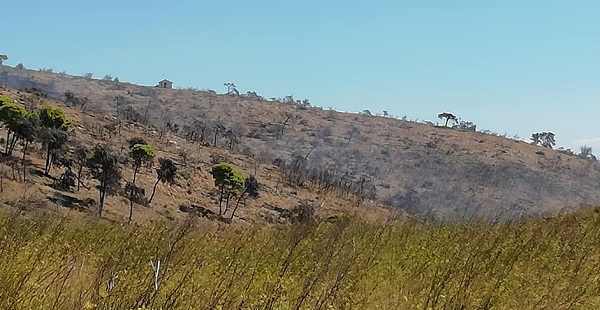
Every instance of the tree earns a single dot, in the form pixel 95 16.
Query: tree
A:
pixel 449 117
pixel 351 132
pixel 140 154
pixel 251 189
pixel 14 118
pixel 231 137
pixel 3 58
pixel 104 166
pixel 228 181
pixel 53 139
pixel 25 129
pixel 80 158
pixel 166 173
pixel 54 124
pixel 20 66
pixel 217 129
pixel 135 141
pixel 543 139
pixel 465 126
pixel 231 88
pixel 586 152
pixel 22 125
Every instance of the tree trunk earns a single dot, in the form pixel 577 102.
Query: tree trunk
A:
pixel 135 171
pixel 102 190
pixel 79 177
pixel 7 142
pixel 237 203
pixel 47 168
pixel 102 195
pixel 153 191
pixel 227 203
pixel 221 198
pixel 446 124
pixel 23 160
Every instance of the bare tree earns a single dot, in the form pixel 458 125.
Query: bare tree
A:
pixel 352 132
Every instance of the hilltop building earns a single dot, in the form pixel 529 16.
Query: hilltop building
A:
pixel 165 84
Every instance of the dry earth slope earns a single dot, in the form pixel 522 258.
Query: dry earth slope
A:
pixel 439 172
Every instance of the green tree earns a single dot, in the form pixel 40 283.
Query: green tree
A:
pixel 53 118
pixel 54 125
pixel 3 58
pixel 80 157
pixel 228 180
pixel 140 154
pixel 25 129
pixel 251 189
pixel 14 117
pixel 104 166
pixel 166 173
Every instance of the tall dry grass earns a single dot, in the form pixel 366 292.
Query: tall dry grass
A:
pixel 53 263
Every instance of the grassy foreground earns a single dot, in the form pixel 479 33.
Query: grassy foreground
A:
pixel 48 263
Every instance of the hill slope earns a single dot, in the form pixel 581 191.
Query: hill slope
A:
pixel 420 168
pixel 194 191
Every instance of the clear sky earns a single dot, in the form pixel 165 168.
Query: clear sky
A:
pixel 514 66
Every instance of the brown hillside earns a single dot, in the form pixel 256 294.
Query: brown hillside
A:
pixel 195 186
pixel 442 172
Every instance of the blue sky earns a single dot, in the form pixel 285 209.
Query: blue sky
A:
pixel 509 66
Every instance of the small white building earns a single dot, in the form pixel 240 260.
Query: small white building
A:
pixel 165 84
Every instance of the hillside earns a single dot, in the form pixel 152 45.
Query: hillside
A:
pixel 194 191
pixel 423 169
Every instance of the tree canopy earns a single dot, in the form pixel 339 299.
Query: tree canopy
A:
pixel 104 166
pixel 166 173
pixel 448 116
pixel 543 139
pixel 228 180
pixel 53 118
